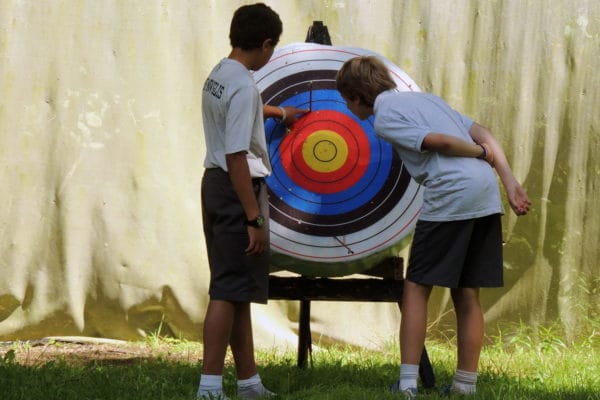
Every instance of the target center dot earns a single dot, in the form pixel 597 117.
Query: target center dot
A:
pixel 325 151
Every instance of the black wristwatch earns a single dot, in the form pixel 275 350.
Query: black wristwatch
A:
pixel 257 222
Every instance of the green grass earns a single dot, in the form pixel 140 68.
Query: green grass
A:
pixel 512 367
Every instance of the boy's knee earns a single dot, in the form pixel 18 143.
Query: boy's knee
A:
pixel 465 297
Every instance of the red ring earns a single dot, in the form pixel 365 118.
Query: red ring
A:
pixel 341 179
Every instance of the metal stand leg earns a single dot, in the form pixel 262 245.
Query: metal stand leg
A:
pixel 426 371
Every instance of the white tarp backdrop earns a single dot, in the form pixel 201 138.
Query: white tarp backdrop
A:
pixel 101 155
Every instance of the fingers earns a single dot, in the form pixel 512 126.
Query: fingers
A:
pixel 520 202
pixel 293 113
pixel 254 249
pixel 524 208
pixel 296 111
pixel 258 241
pixel 520 210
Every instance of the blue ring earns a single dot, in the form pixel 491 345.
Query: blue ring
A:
pixel 282 186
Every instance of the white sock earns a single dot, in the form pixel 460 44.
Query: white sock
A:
pixel 253 380
pixel 408 376
pixel 210 384
pixel 465 382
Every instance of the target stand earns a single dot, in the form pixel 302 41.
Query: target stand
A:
pixel 341 201
pixel 385 285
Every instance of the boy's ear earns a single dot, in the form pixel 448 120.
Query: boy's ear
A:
pixel 267 44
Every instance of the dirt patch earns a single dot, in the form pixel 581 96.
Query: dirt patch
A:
pixel 82 351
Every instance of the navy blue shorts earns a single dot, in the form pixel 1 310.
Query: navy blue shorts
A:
pixel 234 275
pixel 456 254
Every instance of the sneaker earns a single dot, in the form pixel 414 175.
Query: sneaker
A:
pixel 409 393
pixel 257 391
pixel 448 390
pixel 212 396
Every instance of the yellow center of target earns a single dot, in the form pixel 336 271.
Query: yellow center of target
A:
pixel 324 151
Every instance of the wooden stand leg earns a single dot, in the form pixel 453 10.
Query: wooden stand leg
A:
pixel 304 335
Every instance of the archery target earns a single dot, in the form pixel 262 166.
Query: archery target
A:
pixel 338 194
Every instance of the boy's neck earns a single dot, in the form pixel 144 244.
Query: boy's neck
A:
pixel 248 58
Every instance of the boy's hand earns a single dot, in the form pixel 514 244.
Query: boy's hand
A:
pixel 292 114
pixel 258 241
pixel 518 199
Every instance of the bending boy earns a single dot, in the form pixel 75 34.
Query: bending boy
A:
pixel 458 238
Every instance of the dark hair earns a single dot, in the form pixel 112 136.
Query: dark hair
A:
pixel 364 78
pixel 252 24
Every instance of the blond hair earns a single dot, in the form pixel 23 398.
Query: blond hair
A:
pixel 363 78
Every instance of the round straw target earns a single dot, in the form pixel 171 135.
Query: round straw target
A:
pixel 340 198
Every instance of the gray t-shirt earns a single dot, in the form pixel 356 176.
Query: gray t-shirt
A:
pixel 232 116
pixel 455 188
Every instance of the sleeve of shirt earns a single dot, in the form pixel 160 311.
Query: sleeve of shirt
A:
pixel 399 131
pixel 240 119
pixel 467 121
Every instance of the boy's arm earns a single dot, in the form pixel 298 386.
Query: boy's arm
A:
pixel 239 173
pixel 453 146
pixel 518 199
pixel 288 115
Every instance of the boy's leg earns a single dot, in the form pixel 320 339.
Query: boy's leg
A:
pixel 413 328
pixel 469 327
pixel 217 330
pixel 413 324
pixel 242 346
pixel 242 342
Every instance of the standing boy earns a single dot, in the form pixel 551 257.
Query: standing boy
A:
pixel 458 238
pixel 234 202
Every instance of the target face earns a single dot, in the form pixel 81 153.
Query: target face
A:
pixel 337 193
